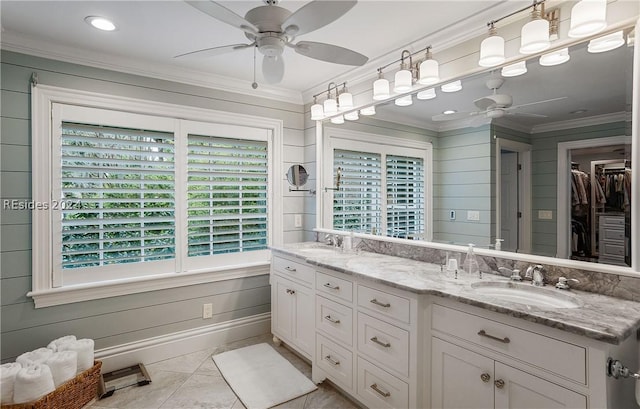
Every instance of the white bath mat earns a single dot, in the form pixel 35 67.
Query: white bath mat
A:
pixel 261 377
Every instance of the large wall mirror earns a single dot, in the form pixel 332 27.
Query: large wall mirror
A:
pixel 550 174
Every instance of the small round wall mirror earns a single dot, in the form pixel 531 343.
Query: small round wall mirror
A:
pixel 297 175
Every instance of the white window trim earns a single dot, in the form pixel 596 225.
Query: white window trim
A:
pixel 43 291
pixel 375 143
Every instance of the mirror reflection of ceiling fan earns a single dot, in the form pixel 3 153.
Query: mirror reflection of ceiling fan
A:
pixel 271 28
pixel 493 106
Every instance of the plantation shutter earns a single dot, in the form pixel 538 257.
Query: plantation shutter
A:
pixel 118 195
pixel 405 196
pixel 357 203
pixel 226 195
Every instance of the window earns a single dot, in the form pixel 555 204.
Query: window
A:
pixel 129 197
pixel 384 186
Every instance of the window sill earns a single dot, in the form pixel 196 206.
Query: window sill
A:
pixel 106 289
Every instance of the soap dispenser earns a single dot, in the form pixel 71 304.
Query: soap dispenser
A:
pixel 470 265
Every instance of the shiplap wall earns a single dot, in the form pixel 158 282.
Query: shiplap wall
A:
pixel 116 320
pixel 463 165
pixel 544 157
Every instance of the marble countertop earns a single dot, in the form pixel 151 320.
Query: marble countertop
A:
pixel 600 317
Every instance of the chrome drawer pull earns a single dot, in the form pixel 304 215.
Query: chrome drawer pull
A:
pixel 332 320
pixel 504 340
pixel 384 344
pixel 331 286
pixel 293 270
pixel 380 391
pixel 376 302
pixel 333 361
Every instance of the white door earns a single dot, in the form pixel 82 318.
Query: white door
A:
pixel 509 206
pixel 282 308
pixel 304 319
pixel 460 378
pixel 519 390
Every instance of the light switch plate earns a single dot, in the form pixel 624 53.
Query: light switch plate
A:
pixel 473 215
pixel 545 214
pixel 297 220
pixel 207 311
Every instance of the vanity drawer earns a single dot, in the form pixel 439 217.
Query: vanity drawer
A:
pixel 335 320
pixel 334 286
pixel 379 389
pixel 335 360
pixel 390 305
pixel 293 269
pixel 559 357
pixel 611 249
pixel 387 344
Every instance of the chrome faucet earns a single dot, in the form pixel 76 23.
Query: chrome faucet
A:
pixel 334 240
pixel 514 275
pixel 535 273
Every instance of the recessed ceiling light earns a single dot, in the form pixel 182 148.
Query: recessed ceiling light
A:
pixel 100 23
pixel 449 112
pixel 578 111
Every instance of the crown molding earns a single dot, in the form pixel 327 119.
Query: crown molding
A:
pixel 45 49
pixel 582 122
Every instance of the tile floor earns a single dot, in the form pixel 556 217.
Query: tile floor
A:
pixel 193 381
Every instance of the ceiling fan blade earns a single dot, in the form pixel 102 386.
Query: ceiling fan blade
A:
pixel 330 53
pixel 315 15
pixel 493 101
pixel 223 14
pixel 273 69
pixel 525 114
pixel 212 52
pixel 454 116
pixel 485 103
pixel 536 102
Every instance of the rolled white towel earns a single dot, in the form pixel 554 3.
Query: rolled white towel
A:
pixel 37 356
pixel 8 374
pixel 32 382
pixel 53 345
pixel 63 365
pixel 84 348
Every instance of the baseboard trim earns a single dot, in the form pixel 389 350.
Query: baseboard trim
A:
pixel 163 347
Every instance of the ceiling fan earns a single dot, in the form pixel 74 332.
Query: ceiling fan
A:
pixel 271 28
pixel 493 106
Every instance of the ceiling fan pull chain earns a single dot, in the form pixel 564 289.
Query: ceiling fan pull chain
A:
pixel 254 85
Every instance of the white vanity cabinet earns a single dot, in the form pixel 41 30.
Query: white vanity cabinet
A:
pixel 367 340
pixel 292 304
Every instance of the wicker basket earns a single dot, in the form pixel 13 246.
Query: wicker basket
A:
pixel 73 394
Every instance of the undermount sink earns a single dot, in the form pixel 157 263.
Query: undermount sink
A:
pixel 528 294
pixel 318 251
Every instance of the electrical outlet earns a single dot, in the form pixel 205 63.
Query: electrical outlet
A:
pixel 297 220
pixel 545 214
pixel 207 311
pixel 473 215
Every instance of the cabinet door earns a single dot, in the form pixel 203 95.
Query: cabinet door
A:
pixel 524 391
pixel 304 319
pixel 282 308
pixel 460 378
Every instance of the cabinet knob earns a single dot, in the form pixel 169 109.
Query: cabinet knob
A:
pixel 485 377
pixel 499 383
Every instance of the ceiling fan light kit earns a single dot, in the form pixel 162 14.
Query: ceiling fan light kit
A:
pixel 588 17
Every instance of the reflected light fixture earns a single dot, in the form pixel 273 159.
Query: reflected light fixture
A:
pixel 534 36
pixel 491 49
pixel 429 70
pixel 606 43
pixel 380 87
pixel 450 111
pixel 514 70
pixel 452 86
pixel 100 23
pixel 404 101
pixel 330 104
pixel 368 111
pixel 404 79
pixel 345 99
pixel 352 116
pixel 588 17
pixel 555 58
pixel 317 112
pixel 427 94
pixel 338 120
